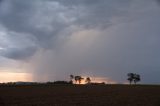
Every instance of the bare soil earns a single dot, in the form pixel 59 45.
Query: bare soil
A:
pixel 80 95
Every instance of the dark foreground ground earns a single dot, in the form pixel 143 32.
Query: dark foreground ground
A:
pixel 82 95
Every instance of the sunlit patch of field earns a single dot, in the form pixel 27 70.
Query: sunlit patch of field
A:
pixel 80 95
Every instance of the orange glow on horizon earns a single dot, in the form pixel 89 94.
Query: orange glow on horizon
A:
pixel 98 80
pixel 14 77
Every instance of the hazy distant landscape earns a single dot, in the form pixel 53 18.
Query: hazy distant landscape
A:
pixel 80 95
pixel 79 52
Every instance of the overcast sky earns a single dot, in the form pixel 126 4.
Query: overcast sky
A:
pixel 51 39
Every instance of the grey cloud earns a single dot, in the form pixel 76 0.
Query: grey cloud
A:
pixel 17 53
pixel 158 1
pixel 48 19
pixel 23 17
pixel 1 1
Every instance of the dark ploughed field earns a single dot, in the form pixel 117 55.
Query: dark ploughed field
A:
pixel 80 95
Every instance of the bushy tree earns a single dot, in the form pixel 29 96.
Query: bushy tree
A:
pixel 133 78
pixel 78 79
pixel 136 78
pixel 130 77
pixel 88 80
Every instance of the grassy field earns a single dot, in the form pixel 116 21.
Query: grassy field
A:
pixel 80 95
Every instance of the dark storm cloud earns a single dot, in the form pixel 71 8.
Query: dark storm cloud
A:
pixel 92 37
pixel 94 14
pixel 46 20
pixel 158 1
pixel 1 1
pixel 32 17
pixel 18 54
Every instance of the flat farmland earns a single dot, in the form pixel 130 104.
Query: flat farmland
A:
pixel 80 95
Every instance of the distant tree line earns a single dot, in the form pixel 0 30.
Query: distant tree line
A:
pixel 132 78
pixel 78 79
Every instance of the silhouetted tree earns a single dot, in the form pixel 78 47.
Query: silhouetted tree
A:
pixel 71 78
pixel 130 77
pixel 133 77
pixel 136 78
pixel 88 80
pixel 78 79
